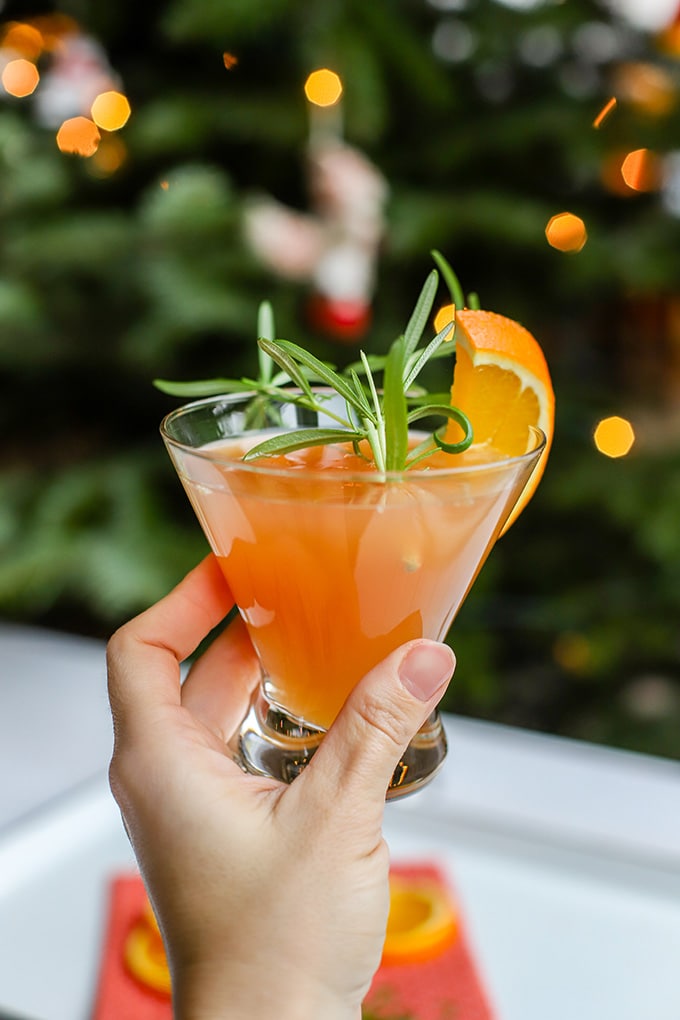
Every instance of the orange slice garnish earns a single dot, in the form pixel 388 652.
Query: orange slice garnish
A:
pixel 502 383
pixel 422 921
pixel 144 954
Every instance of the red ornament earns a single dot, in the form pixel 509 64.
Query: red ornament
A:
pixel 333 247
pixel 344 321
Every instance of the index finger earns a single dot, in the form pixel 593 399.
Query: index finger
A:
pixel 144 655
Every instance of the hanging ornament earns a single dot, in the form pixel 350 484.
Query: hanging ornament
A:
pixel 74 68
pixel 79 72
pixel 334 248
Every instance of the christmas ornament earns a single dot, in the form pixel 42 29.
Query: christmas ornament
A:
pixel 335 246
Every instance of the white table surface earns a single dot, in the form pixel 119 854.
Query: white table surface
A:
pixel 565 857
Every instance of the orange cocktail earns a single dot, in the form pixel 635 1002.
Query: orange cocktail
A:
pixel 331 563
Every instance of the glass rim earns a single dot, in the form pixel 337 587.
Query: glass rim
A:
pixel 373 478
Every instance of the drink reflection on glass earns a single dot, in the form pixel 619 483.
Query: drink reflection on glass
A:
pixel 333 564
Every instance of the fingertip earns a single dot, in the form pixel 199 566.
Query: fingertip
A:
pixel 382 715
pixel 426 668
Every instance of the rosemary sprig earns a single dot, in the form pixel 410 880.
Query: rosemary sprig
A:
pixel 379 418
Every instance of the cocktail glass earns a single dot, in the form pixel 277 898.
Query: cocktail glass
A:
pixel 332 568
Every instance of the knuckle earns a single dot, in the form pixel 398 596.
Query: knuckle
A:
pixel 118 646
pixel 382 715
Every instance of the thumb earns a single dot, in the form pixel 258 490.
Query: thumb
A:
pixel 361 750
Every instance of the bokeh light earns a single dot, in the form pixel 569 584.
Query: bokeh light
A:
pixel 229 60
pixel 110 111
pixel 642 170
pixel 323 87
pixel 649 15
pixel 20 78
pixel 453 41
pixel 650 89
pixel 614 436
pixel 610 174
pixel 540 46
pixel 608 108
pixel 110 155
pixel 53 28
pixel 573 652
pixel 566 232
pixel 78 136
pixel 23 39
pixel 445 315
pixel 668 40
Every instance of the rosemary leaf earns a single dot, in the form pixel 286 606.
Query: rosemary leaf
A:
pixel 202 387
pixel 453 414
pixel 466 441
pixel 395 409
pixel 414 368
pixel 288 442
pixel 451 280
pixel 320 369
pixel 376 362
pixel 421 312
pixel 361 394
pixel 379 419
pixel 377 411
pixel 419 396
pixel 266 330
pixel 278 354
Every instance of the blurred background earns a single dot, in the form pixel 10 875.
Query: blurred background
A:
pixel 160 175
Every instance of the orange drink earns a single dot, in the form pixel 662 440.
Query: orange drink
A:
pixel 333 564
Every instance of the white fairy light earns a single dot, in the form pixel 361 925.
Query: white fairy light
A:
pixel 670 194
pixel 540 46
pixel 649 15
pixel 522 5
pixel 453 41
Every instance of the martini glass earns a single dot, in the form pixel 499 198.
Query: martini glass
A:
pixel 333 565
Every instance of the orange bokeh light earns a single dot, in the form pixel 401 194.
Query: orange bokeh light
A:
pixel 20 78
pixel 110 155
pixel 573 652
pixel 230 60
pixel 445 315
pixel 22 38
pixel 641 170
pixel 110 111
pixel 649 89
pixel 668 40
pixel 614 437
pixel 78 136
pixel 53 28
pixel 610 174
pixel 608 107
pixel 323 87
pixel 566 232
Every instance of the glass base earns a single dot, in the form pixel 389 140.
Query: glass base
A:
pixel 271 743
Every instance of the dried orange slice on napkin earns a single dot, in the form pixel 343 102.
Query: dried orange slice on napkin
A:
pixel 422 920
pixel 144 953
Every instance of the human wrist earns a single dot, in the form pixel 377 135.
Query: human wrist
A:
pixel 232 994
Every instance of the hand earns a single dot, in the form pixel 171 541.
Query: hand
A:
pixel 272 899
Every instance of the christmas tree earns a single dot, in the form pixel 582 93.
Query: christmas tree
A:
pixel 128 252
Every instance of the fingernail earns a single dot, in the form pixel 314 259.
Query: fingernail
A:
pixel 426 668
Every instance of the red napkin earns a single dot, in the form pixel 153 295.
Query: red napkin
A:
pixel 446 986
pixel 119 994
